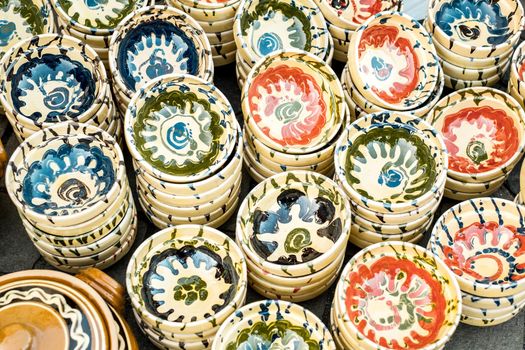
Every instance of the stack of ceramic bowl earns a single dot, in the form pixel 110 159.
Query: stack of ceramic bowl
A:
pixel 156 41
pixel 52 78
pixel 216 18
pixel 474 39
pixel 344 17
pixel 484 130
pixel 69 185
pixel 516 86
pixel 187 151
pixel 262 27
pixel 392 66
pixel 273 324
pixel 395 296
pixel 293 114
pixel 393 167
pixel 184 282
pixel 519 198
pixel 94 22
pixel 481 241
pixel 293 229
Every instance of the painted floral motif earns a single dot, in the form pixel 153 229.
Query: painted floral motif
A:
pixel 298 230
pixel 358 11
pixel 389 63
pixel 390 164
pixel 487 253
pixel 68 178
pixel 479 139
pixel 476 22
pixel 188 283
pixel 52 88
pixel 395 303
pixel 99 14
pixel 288 106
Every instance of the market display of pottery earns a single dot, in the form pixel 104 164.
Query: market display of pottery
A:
pixel 481 241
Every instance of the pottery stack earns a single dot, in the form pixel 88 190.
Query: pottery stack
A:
pixel 481 241
pixel 183 283
pixel 187 151
pixel 395 295
pixel 393 168
pixel 69 185
pixel 293 229
pixel 293 115
pixel 216 18
pixel 519 198
pixel 516 85
pixel 263 27
pixel 484 130
pixel 477 51
pixel 152 42
pixel 344 17
pixel 403 75
pixel 52 78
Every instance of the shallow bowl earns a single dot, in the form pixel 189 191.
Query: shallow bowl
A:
pixel 467 73
pixel 457 84
pixel 492 303
pixel 207 15
pixel 487 322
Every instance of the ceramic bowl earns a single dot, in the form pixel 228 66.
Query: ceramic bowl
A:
pixel 464 73
pixel 292 102
pixel 487 322
pixel 100 42
pixel 492 303
pixel 456 25
pixel 312 241
pixel 391 162
pixel 273 323
pixel 134 62
pixel 224 49
pixel 263 27
pixel 362 244
pixel 513 91
pixel 394 229
pixel 480 240
pixel 339 34
pixel 470 311
pixel 220 38
pixel 207 4
pixel 204 294
pixel 392 61
pixel 381 276
pixel 377 236
pixel 224 59
pixel 207 15
pixel 474 187
pixel 517 70
pixel 180 129
pixel 457 84
pixel 491 140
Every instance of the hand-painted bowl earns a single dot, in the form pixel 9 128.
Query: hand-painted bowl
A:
pixel 294 223
pixel 391 162
pixel 362 244
pixel 206 4
pixel 264 27
pixel 155 41
pixel 464 73
pixel 220 38
pixel 67 179
pixel 180 129
pixel 483 130
pixel 392 61
pixel 273 324
pixel 293 102
pixel 340 34
pixel 186 279
pixel 457 84
pixel 398 295
pixel 481 241
pixel 386 229
pixel 488 322
pixel 492 303
pixel 463 196
pixel 375 235
pixel 474 187
pixel 477 312
pixel 209 14
pixel 517 69
pixel 476 28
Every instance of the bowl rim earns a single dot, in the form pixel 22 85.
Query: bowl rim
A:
pixel 205 5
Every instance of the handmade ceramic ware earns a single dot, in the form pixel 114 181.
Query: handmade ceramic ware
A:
pixel 464 73
pixel 220 38
pixel 224 59
pixel 376 236
pixel 392 61
pixel 208 4
pixel 492 303
pixel 340 34
pixel 203 15
pixel 457 84
pixel 517 70
pixel 486 322
pixel 474 187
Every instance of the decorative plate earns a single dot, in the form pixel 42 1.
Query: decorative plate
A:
pixel 482 241
pixel 294 223
pixel 180 128
pixel 391 162
pixel 393 62
pixel 273 324
pixel 398 296
pixel 293 102
pixel 156 41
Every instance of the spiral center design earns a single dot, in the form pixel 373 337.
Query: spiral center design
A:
pixel 179 136
pixel 297 240
pixel 268 43
pixel 74 191
pixel 477 152
pixel 57 99
pixel 288 111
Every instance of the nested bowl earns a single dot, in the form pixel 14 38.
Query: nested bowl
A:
pixel 457 84
pixel 474 187
pixel 180 129
pixel 220 38
pixel 481 313
pixel 294 223
pixel 155 41
pixel 207 14
pixel 483 129
pixel 275 323
pixel 384 276
pixel 376 235
pixel 386 229
pixel 487 322
pixel 293 102
pixel 392 61
pixel 481 241
pixel 492 303
pixel 186 279
pixel 391 162
pixel 517 70
pixel 476 28
pixel 467 73
pixel 206 4
pixel 339 34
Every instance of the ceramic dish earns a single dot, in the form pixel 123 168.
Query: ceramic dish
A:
pixel 517 70
pixel 180 129
pixel 338 33
pixel 184 49
pixel 469 311
pixel 492 125
pixel 486 322
pixel 457 84
pixel 492 303
pixel 362 244
pixel 206 4
pixel 220 38
pixel 223 49
pixel 376 236
pixel 224 59
pixel 292 102
pixel 392 61
pixel 474 187
pixel 387 229
pixel 203 15
pixel 475 74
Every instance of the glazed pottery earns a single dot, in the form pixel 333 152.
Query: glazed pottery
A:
pixel 457 84
pixel 208 4
pixel 486 322
pixel 493 303
pixel 464 73
pixel 205 15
